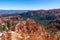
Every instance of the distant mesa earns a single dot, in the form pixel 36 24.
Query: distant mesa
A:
pixel 35 14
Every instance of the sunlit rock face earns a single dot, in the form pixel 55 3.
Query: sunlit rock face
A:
pixel 27 26
pixel 27 30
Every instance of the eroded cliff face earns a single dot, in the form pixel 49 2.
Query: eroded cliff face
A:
pixel 28 30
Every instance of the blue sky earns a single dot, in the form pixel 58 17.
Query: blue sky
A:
pixel 29 4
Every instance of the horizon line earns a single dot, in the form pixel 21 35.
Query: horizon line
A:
pixel 31 9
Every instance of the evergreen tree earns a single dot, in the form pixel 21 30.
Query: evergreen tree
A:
pixel 8 24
